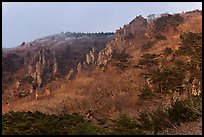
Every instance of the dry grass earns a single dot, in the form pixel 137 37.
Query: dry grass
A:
pixel 106 94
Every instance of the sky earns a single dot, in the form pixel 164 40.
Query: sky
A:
pixel 27 21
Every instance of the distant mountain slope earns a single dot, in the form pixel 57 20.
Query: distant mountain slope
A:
pixel 48 58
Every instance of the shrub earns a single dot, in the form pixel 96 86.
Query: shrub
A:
pixel 122 66
pixel 148 59
pixel 148 62
pixel 37 123
pixel 162 22
pixel 168 79
pixel 85 128
pixel 148 45
pixel 136 66
pixel 146 92
pixel 167 51
pixel 149 56
pixel 22 94
pixel 124 125
pixel 160 37
pixel 186 110
pixel 122 59
pixel 191 44
pixel 191 47
pixel 121 56
pixel 103 67
pixel 153 121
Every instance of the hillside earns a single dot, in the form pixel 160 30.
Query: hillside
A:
pixel 146 66
pixel 32 65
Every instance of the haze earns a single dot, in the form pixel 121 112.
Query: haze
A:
pixel 23 21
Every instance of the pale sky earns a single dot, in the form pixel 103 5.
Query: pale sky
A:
pixel 27 21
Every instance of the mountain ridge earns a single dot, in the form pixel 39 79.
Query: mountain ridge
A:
pixel 125 74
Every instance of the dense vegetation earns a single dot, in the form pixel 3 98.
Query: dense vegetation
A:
pixel 122 59
pixel 170 75
pixel 148 60
pixel 37 123
pixel 147 46
pixel 170 20
pixel 174 71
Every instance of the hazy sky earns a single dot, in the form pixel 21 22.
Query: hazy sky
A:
pixel 27 21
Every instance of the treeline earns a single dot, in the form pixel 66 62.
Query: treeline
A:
pixel 77 34
pixel 147 123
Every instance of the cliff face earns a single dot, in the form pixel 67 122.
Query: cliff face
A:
pixel 44 66
pixel 90 56
pixel 50 58
pixel 105 55
pixel 130 35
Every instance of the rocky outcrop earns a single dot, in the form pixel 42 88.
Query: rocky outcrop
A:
pixel 38 72
pixel 79 67
pixel 45 64
pixel 84 65
pixel 196 87
pixel 90 57
pixel 70 76
pixel 17 84
pixel 124 38
pixel 47 91
pixel 105 55
pixel 55 66
pixel 31 89
pixel 50 58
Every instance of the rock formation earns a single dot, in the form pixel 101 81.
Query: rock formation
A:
pixel 105 55
pixel 44 64
pixel 55 67
pixel 90 57
pixel 84 65
pixel 70 76
pixel 79 67
pixel 134 31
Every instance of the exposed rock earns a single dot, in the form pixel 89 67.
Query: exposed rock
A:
pixel 88 58
pixel 45 64
pixel 84 65
pixel 36 95
pixel 79 67
pixel 31 89
pixel 39 73
pixel 71 74
pixel 93 50
pixel 196 87
pixel 135 30
pixel 46 58
pixel 47 91
pixel 92 56
pixel 149 83
pixel 55 67
pixel 105 55
pixel 17 84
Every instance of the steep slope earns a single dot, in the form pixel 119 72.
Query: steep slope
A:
pixel 132 62
pixel 31 66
